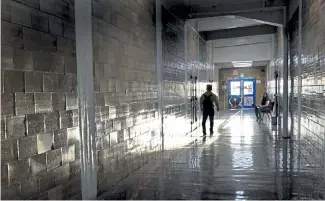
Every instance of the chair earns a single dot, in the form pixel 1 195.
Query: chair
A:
pixel 268 113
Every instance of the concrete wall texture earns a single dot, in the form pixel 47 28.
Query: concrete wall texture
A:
pixel 125 86
pixel 40 152
pixel 313 85
pixel 310 140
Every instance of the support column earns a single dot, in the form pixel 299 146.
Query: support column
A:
pixel 159 70
pixel 285 80
pixel 186 69
pixel 300 78
pixel 84 49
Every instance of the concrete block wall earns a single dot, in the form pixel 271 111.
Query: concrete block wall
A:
pixel 174 84
pixel 313 85
pixel 39 108
pixel 276 64
pixel 125 86
pixel 40 152
pixel 293 74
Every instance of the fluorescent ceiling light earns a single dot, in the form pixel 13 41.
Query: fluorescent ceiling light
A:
pixel 238 64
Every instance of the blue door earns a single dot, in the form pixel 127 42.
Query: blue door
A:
pixel 249 92
pixel 234 94
pixel 241 93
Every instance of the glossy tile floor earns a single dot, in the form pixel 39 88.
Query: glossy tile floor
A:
pixel 242 160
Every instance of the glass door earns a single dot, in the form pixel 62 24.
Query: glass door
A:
pixel 241 93
pixel 234 94
pixel 249 94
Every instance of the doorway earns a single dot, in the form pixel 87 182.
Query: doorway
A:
pixel 241 93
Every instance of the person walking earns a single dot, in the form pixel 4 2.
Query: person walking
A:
pixel 206 103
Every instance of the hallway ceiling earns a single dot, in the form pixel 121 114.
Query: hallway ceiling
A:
pixel 230 65
pixel 215 15
pixel 224 22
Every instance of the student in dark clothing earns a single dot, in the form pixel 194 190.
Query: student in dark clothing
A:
pixel 264 107
pixel 207 107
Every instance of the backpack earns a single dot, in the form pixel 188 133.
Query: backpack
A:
pixel 207 103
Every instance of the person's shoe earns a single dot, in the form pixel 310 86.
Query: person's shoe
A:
pixel 211 133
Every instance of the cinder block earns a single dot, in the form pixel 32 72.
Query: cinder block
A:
pixel 6 10
pixel 101 12
pixel 3 128
pixel 72 101
pixel 20 14
pixel 46 181
pixel 70 65
pixel 56 26
pixel 38 164
pixel 67 83
pixel 4 175
pixel 11 192
pixel 39 20
pixel 7 61
pixel 58 101
pixel 44 142
pixel 35 124
pixel 99 99
pixel 51 82
pixel 7 104
pixel 57 64
pixel 106 141
pixel 30 188
pixel 69 30
pixel 48 43
pixel 68 154
pixel 66 119
pixel 75 168
pixel 63 46
pixel 18 170
pixel 24 103
pixel 54 159
pixel 32 3
pixel 9 150
pixel 11 35
pixel 62 174
pixel 61 8
pixel 52 121
pixel 75 117
pixel 16 127
pixel 71 188
pixel 43 102
pixel 43 196
pixel 13 81
pixel 73 135
pixel 27 147
pixel 42 61
pixel 113 138
pixel 100 128
pixel 33 82
pixel 22 60
pixel 32 40
pixel 55 193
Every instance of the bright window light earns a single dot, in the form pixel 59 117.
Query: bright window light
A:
pixel 238 64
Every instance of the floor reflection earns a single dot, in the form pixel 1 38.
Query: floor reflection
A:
pixel 242 160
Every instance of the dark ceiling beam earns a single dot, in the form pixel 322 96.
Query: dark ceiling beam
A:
pixel 270 15
pixel 240 32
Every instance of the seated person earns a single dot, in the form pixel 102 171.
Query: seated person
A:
pixel 264 107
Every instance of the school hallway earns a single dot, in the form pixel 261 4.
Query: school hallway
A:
pixel 243 160
pixel 101 99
